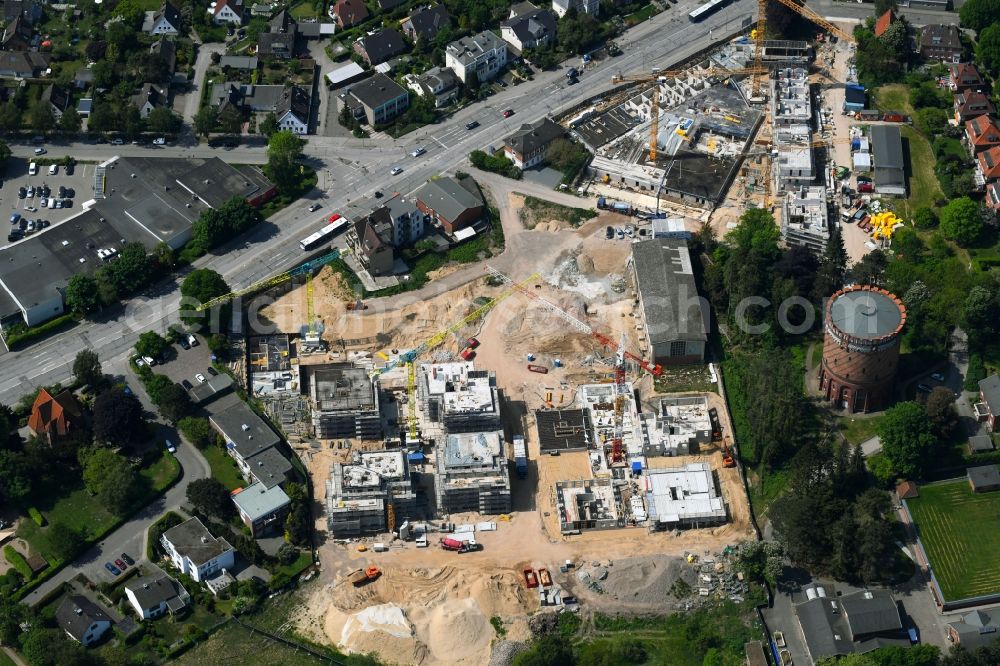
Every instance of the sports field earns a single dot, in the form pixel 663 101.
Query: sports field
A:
pixel 960 531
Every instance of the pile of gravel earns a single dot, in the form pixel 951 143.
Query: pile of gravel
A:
pixel 504 652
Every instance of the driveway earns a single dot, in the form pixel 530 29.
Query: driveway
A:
pixel 317 52
pixel 201 64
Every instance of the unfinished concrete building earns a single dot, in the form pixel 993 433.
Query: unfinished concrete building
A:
pixel 679 428
pixel 804 219
pixel 791 113
pixel 791 102
pixel 359 492
pixel 455 398
pixel 345 401
pixel 683 497
pixel 599 400
pixel 592 504
pixel 472 473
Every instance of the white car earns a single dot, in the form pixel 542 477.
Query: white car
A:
pixel 150 361
pixel 44 203
pixel 40 151
pixel 314 207
pixel 170 446
pixel 396 171
pixel 201 378
pixel 418 152
pixel 192 340
pixel 139 362
pixel 53 169
pixel 159 141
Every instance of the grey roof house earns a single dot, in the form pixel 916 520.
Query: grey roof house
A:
pixel 152 596
pixel 246 434
pixel 854 623
pixel 166 49
pixel 451 202
pixel 889 166
pixel 58 99
pixel 526 146
pixel 148 98
pixel 166 21
pixel 425 23
pixel 975 629
pixel 528 27
pixel 380 47
pixel 378 99
pixel 437 82
pixel 940 42
pixel 82 620
pixel 262 509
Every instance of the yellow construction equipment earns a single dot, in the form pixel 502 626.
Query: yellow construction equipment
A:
pixel 390 517
pixel 310 312
pixel 411 400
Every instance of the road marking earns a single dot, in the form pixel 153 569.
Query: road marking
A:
pixel 438 141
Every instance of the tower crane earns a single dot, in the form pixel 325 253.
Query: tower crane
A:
pixel 758 34
pixel 655 76
pixel 621 397
pixel 654 369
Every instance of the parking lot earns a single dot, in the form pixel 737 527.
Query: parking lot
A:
pixel 183 365
pixel 79 188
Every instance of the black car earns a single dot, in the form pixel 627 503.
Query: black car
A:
pixel 22 192
pixel 185 383
pixel 128 560
pixel 70 192
pixel 212 371
pixel 46 191
pixel 378 194
pixel 184 343
pixel 62 191
pixel 609 233
pixel 69 169
pixel 15 236
pixel 472 125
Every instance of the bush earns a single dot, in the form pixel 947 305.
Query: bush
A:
pixel 17 561
pixel 19 334
pixel 494 164
pixel 36 516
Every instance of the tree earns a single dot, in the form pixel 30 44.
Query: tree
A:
pixel 211 497
pixel 960 219
pixel 199 287
pixel 980 14
pixel 907 438
pixel 940 408
pixel 162 120
pixel 151 344
pixel 269 125
pixel 982 312
pixel 298 528
pixel 51 647
pixel 577 32
pixel 15 476
pixel 43 119
pixel 197 430
pixel 5 153
pixel 87 368
pixel 760 560
pixel 70 120
pixel 283 152
pixel 832 267
pixel 131 270
pixel 287 554
pixel 871 268
pixel 103 116
pixel 117 417
pixel 109 476
pixel 205 120
pixel 173 401
pixel 64 541
pixel 882 6
pixel 164 255
pixel 81 294
pixel 924 218
pixel 230 120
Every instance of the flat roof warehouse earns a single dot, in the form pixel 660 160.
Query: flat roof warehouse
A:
pixel 147 200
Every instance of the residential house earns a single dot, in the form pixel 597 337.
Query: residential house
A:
pixel 348 13
pixel 246 436
pixel 483 54
pixel 381 46
pixel 889 164
pixel 528 27
pixel 166 50
pixel 975 629
pixel 979 444
pixel 592 7
pixel 262 509
pixel 409 223
pixel 152 596
pixel 451 202
pixel 988 407
pixel 148 98
pixel 941 43
pixel 526 146
pixel 987 166
pixel 16 35
pixel 195 552
pixel 853 623
pixel 981 133
pixel 425 23
pixel 240 63
pixel 262 9
pixel 54 417
pixel 992 197
pixel 293 109
pixel 971 104
pixel 883 22
pixel 23 64
pixel 439 83
pixel 378 99
pixel 82 620
pixel 83 78
pixel 227 11
pixel 57 98
pixel 167 21
pixel 27 10
pixel 85 107
pixel 277 44
pixel 985 479
pixel 965 76
pixel 371 241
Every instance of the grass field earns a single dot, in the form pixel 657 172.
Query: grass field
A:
pixel 924 187
pixel 857 430
pixel 894 97
pixel 960 535
pixel 223 467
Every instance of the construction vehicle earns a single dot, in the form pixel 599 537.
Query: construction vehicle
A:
pixel 540 369
pixel 458 546
pixel 530 579
pixel 727 454
pixel 364 576
pixel 654 369
pixel 544 579
pixel 303 269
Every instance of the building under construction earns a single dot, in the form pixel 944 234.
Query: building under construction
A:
pixel 679 428
pixel 804 218
pixel 345 401
pixel 593 504
pixel 360 494
pixel 472 473
pixel 455 397
pixel 683 497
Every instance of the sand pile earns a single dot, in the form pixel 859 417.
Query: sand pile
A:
pixel 423 615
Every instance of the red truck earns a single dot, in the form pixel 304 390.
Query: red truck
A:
pixel 458 546
pixel 468 354
pixel 530 579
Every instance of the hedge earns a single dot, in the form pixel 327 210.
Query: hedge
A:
pixel 36 516
pixel 21 335
pixel 17 561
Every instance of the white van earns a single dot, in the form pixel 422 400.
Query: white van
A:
pixel 32 169
pixel 53 169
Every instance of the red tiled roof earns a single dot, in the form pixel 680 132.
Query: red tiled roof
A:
pixel 235 5
pixel 993 195
pixel 965 73
pixel 982 131
pixel 53 415
pixel 906 489
pixel 969 103
pixel 883 23
pixel 989 163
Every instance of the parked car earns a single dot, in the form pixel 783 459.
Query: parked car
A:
pixel 159 141
pixel 923 388
pixel 609 233
pixel 396 171
pixel 31 209
pixel 472 125
pixel 619 233
pixel 117 142
pixel 186 384
pixel 15 218
pixel 112 568
pixel 40 151
pixel 315 207
pixel 184 343
pixel 150 361
pixel 138 361
pixel 212 371
pixel 128 560
pixel 192 340
pixel 200 377
pixel 22 192
pixel 62 191
pixel 937 376
pixel 69 169
pixel 53 169
pixel 120 563
pixel 170 446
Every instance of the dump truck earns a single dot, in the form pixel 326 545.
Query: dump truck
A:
pixel 544 578
pixel 468 354
pixel 530 579
pixel 364 576
pixel 540 369
pixel 520 457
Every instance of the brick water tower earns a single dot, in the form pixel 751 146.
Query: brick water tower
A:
pixel 861 348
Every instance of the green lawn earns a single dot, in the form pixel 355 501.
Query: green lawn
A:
pixel 858 429
pixel 951 146
pixel 223 467
pixel 303 10
pixel 641 15
pixel 234 645
pixel 958 531
pixel 894 97
pixel 5 660
pixel 923 186
pixel 301 563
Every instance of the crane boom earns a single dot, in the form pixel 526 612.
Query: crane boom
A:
pixel 807 13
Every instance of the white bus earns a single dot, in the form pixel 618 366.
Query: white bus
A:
pixel 704 10
pixel 336 225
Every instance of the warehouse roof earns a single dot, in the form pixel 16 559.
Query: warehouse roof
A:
pixel 671 306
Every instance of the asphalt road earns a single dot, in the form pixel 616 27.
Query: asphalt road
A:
pixel 350 171
pixel 834 10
